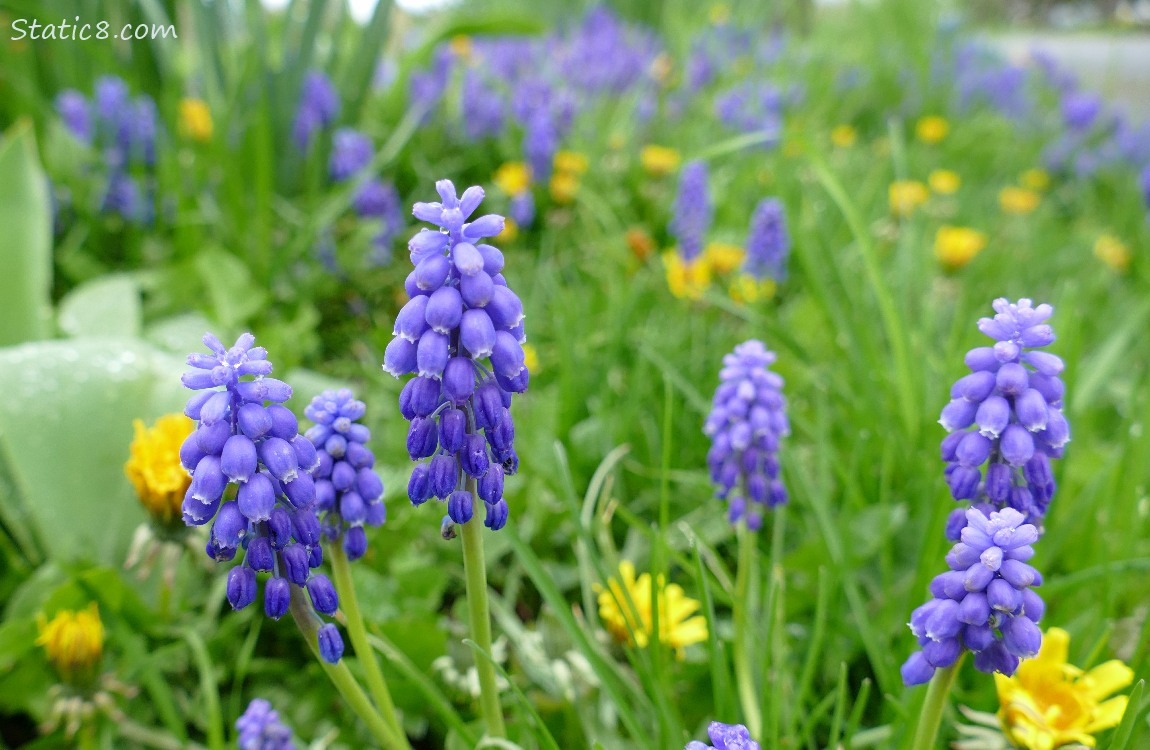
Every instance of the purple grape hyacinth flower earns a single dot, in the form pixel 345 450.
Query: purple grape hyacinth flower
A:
pixel 76 112
pixel 725 737
pixel 747 419
pixel 260 728
pixel 351 151
pixel 349 494
pixel 1007 414
pixel 769 242
pixel 984 603
pixel 692 212
pixel 461 333
pixel 246 437
pixel 318 106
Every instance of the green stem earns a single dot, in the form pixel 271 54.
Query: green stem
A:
pixel 349 603
pixel 931 716
pixel 340 675
pixel 475 571
pixel 748 696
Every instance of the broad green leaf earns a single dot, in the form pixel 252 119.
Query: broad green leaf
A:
pixel 26 244
pixel 107 306
pixel 233 293
pixel 65 428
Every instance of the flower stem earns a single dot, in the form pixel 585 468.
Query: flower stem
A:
pixel 349 603
pixel 341 676
pixel 931 716
pixel 475 571
pixel 748 696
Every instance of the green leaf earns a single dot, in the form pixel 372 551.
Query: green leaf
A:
pixel 26 247
pixel 107 306
pixel 234 294
pixel 65 428
pixel 1133 708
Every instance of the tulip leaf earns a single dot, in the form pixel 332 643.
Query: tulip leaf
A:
pixel 26 245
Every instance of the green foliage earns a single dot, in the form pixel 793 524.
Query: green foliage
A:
pixel 26 248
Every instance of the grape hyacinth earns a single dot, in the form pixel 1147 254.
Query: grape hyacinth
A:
pixel 260 728
pixel 318 106
pixel 747 419
pixel 74 110
pixel 348 493
pixel 351 151
pixel 461 333
pixel 692 211
pixel 984 603
pixel 769 242
pixel 1007 414
pixel 245 436
pixel 725 737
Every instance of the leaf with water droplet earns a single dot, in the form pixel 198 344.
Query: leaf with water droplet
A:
pixel 106 306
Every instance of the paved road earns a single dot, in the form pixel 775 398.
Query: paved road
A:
pixel 1116 65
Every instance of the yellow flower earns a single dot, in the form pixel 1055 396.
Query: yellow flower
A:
pixel 461 46
pixel 512 177
pixel 640 243
pixel 1110 250
pixel 748 289
pixel 1049 703
pixel 906 195
pixel 1018 201
pixel 564 185
pixel 723 257
pixel 571 162
pixel 625 608
pixel 154 465
pixel 931 129
pixel 686 280
pixel 195 119
pixel 510 231
pixel 956 246
pixel 73 641
pixel 530 359
pixel 1034 179
pixel 844 136
pixel 719 14
pixel 944 181
pixel 659 160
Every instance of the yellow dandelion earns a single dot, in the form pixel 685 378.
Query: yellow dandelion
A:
pixel 905 196
pixel 461 46
pixel 640 243
pixel 944 181
pixel 723 257
pixel 195 120
pixel 1018 201
pixel 510 231
pixel 571 162
pixel 1034 179
pixel 625 608
pixel 73 641
pixel 512 177
pixel 530 359
pixel 686 280
pixel 931 129
pixel 658 161
pixel 564 186
pixel 1049 702
pixel 154 465
pixel 956 246
pixel 746 289
pixel 844 136
pixel 1111 251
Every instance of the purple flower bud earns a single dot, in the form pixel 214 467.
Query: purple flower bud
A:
pixel 368 484
pixel 277 597
pixel 974 609
pixel 974 449
pixel 473 456
pixel 505 309
pixel 452 429
pixel 400 357
pixel 208 480
pixel 355 543
pixel 1017 445
pixel 978 637
pixel 427 242
pixel 352 509
pixel 444 310
pixel 477 334
pixel 488 405
pixel 942 653
pixel 1012 379
pixel 238 460
pixel 279 458
pixel 211 439
pixel 1057 432
pixel 459 507
pixel 260 556
pixel 998 482
pixel 467 258
pixel 305 527
pixel 216 408
pixel 422 438
pixel 284 424
pixel 982 359
pixel 1018 574
pixel 419 489
pixel 963 482
pixel 490 225
pixel 490 486
pixel 950 445
pixel 477 289
pixel 459 379
pixel 254 420
pixel 496 515
pixel 431 273
pixel 322 593
pixel 507 355
pixel 295 564
pixel 342 476
pixel 492 259
pixel 279 528
pixel 993 416
pixel 443 474
pixel 916 670
pixel 958 415
pixel 974 387
pixel 1032 605
pixel 412 319
pixel 432 354
pixel 330 643
pixel 1048 364
pixel 1021 637
pixel 306 456
pixel 256 498
pixel 300 491
pixel 241 586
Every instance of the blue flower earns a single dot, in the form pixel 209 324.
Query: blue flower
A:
pixel 747 419
pixel 1007 414
pixel 349 494
pixel 1144 184
pixel 123 198
pixel 984 603
pixel 461 333
pixel 1080 110
pixel 318 106
pixel 260 728
pixel 76 113
pixel 351 151
pixel 692 212
pixel 769 242
pixel 725 737
pixel 247 438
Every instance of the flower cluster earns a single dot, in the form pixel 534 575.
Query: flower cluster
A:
pixel 318 106
pixel 625 608
pixel 374 199
pixel 984 603
pixel 1007 414
pixel 260 728
pixel 752 107
pixel 692 212
pixel 246 437
pixel 769 242
pixel 349 495
pixel 725 737
pixel 747 419
pixel 461 315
